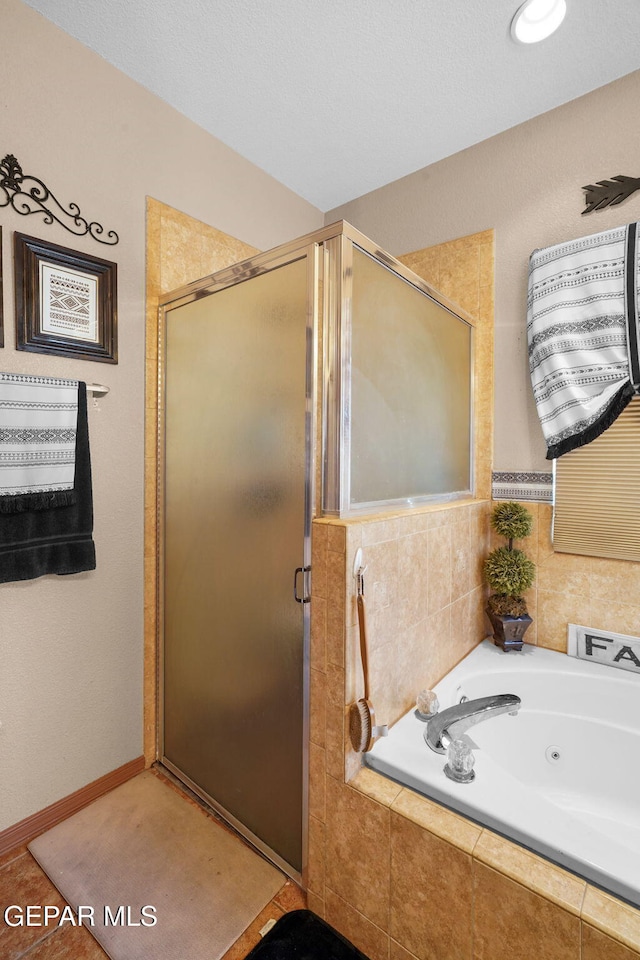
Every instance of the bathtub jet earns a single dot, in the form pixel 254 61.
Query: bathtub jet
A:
pixel 450 724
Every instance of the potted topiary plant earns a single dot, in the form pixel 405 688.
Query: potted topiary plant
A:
pixel 509 573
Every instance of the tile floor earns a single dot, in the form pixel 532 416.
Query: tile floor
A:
pixel 22 882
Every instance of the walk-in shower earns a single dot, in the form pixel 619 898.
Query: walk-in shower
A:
pixel 320 377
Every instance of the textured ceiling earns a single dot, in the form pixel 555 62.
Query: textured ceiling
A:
pixel 338 97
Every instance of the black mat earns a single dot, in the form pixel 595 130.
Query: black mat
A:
pixel 301 935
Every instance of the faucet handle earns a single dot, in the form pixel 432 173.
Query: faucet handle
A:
pixel 460 761
pixel 427 704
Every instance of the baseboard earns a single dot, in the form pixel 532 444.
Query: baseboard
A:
pixel 37 823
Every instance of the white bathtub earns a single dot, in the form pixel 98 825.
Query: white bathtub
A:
pixel 562 777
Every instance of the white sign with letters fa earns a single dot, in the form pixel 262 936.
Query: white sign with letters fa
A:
pixel 614 649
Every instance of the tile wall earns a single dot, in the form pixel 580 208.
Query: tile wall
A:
pixel 401 876
pixel 591 591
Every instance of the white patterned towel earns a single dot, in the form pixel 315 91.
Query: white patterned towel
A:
pixel 584 335
pixel 38 420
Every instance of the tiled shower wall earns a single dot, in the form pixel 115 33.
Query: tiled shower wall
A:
pixel 424 604
pixel 423 585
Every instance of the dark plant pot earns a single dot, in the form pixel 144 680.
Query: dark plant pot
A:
pixel 509 631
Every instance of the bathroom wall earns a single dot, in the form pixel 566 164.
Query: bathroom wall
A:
pixel 71 648
pixel 568 589
pixel 526 183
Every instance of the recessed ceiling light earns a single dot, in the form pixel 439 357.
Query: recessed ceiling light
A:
pixel 537 19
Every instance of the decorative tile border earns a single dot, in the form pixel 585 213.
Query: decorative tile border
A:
pixel 522 486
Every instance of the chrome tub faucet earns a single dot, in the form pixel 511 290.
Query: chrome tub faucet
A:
pixel 450 724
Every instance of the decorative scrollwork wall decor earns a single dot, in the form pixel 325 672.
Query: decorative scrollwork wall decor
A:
pixel 607 193
pixel 27 194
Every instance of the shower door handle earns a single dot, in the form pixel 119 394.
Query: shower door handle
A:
pixel 305 598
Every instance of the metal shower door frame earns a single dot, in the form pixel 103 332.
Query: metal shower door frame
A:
pixel 339 244
pixel 308 248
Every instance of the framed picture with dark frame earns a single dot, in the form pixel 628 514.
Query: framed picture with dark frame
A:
pixel 66 302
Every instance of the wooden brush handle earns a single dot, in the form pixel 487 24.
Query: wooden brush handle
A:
pixel 362 625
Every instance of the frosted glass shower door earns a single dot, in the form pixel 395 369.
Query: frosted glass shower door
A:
pixel 235 529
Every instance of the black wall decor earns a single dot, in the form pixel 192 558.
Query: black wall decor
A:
pixel 607 193
pixel 27 194
pixel 66 301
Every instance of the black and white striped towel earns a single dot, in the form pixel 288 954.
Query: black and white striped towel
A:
pixel 38 422
pixel 584 335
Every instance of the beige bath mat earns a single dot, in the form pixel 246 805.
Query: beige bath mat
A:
pixel 143 852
